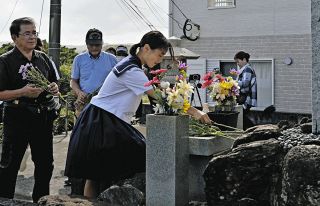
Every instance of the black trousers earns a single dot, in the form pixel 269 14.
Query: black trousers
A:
pixel 24 126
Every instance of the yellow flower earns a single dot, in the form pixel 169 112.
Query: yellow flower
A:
pixel 186 106
pixel 185 88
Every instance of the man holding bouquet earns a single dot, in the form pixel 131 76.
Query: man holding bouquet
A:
pixel 28 112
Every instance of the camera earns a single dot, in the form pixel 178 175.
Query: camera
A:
pixel 194 77
pixel 50 102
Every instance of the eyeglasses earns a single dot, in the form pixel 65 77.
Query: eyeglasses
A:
pixel 29 34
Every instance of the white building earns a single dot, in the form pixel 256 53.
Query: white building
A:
pixel 276 33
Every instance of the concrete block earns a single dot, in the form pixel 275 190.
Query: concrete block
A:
pixel 167 164
pixel 206 146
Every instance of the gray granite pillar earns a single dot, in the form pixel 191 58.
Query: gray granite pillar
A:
pixel 315 31
pixel 167 163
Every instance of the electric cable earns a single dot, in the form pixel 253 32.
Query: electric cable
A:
pixel 14 7
pixel 41 16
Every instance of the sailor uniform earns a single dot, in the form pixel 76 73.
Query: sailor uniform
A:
pixel 103 145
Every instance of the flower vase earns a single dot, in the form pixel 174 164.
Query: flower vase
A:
pixel 224 114
pixel 167 155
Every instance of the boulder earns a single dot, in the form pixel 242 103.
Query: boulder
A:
pixel 11 202
pixel 125 195
pixel 64 200
pixel 249 171
pixel 301 176
pixel 256 133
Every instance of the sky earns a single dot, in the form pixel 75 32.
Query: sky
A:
pixel 118 24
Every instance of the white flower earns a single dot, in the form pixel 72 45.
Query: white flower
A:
pixel 158 109
pixel 164 85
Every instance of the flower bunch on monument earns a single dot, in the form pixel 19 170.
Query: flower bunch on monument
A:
pixel 222 89
pixel 171 99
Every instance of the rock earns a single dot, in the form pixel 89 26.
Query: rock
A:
pixel 256 133
pixel 312 142
pixel 138 181
pixel 306 128
pixel 248 202
pixel 249 170
pixel 64 200
pixel 125 195
pixel 304 120
pixel 301 176
pixel 284 124
pixel 195 203
pixel 11 202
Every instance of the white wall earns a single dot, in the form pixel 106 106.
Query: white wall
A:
pixel 248 18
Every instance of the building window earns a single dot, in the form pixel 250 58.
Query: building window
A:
pixel 265 78
pixel 214 4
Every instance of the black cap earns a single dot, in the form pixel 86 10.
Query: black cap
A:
pixel 94 36
pixel 122 50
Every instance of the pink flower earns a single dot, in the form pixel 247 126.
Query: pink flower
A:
pixel 159 71
pixel 208 76
pixel 219 78
pixel 234 71
pixel 155 80
pixel 207 83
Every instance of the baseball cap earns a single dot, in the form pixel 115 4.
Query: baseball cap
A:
pixel 94 36
pixel 122 50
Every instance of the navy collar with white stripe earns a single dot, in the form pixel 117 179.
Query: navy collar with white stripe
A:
pixel 126 64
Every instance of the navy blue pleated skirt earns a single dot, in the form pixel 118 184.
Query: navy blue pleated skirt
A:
pixel 103 147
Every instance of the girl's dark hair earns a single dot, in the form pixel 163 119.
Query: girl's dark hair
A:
pixel 242 55
pixel 156 40
pixel 15 25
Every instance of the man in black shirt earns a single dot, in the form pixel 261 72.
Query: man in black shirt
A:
pixel 28 117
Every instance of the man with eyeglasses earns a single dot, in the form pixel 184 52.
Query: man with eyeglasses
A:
pixel 27 118
pixel 90 69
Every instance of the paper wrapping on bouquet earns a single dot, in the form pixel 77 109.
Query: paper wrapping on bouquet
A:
pixel 229 118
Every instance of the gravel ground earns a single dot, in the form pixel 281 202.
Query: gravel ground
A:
pixel 294 137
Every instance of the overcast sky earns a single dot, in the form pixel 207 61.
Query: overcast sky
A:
pixel 112 17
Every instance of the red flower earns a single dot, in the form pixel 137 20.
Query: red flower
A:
pixel 220 78
pixel 208 76
pixel 207 83
pixel 159 71
pixel 155 80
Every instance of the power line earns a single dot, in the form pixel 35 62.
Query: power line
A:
pixel 153 11
pixel 179 9
pixel 134 14
pixel 41 16
pixel 14 7
pixel 178 23
pixel 137 10
pixel 124 11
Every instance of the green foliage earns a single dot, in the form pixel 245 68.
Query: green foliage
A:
pixel 64 82
pixel 64 122
pixel 67 55
pixel 6 47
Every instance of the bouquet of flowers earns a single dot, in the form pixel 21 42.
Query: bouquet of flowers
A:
pixel 222 90
pixel 34 76
pixel 171 99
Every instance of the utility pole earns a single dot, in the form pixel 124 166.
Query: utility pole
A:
pixel 315 34
pixel 55 31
